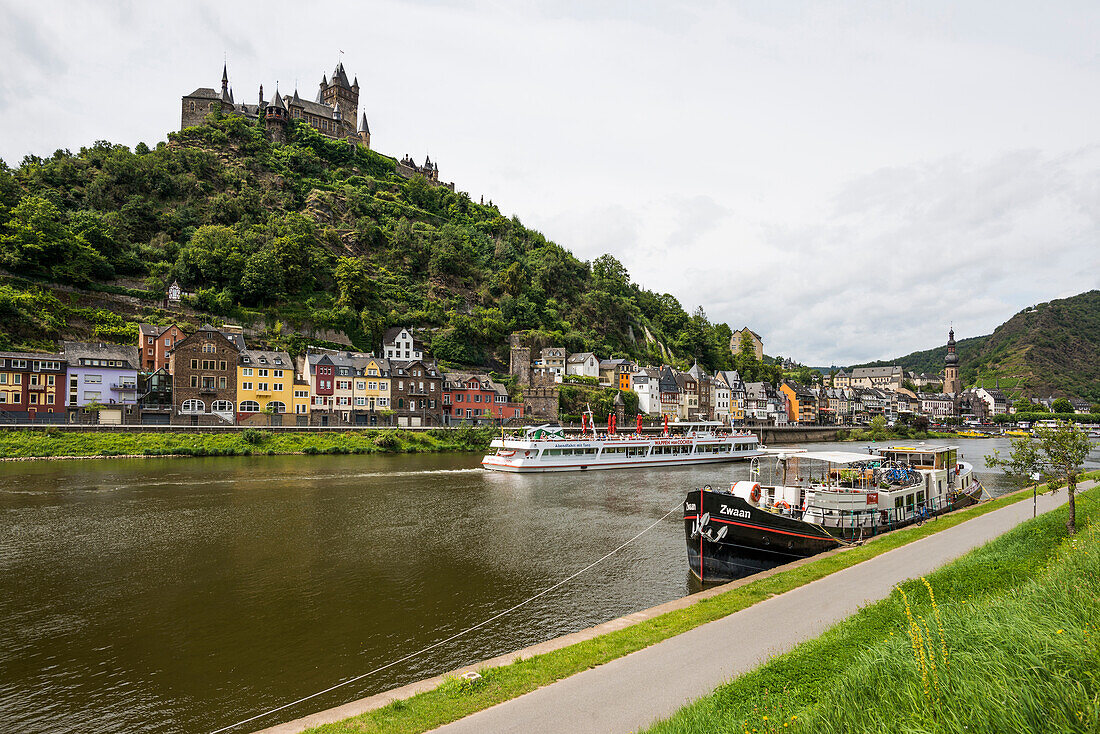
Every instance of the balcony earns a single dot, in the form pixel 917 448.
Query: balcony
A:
pixel 124 386
pixel 208 390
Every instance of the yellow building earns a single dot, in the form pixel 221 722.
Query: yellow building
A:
pixel 372 385
pixel 265 384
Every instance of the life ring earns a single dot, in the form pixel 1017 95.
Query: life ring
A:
pixel 754 495
pixel 782 504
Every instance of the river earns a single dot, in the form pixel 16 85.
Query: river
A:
pixel 182 595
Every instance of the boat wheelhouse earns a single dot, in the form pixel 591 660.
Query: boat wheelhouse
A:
pixel 817 501
pixel 546 448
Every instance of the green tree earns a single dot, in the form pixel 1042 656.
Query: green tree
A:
pixel 878 427
pixel 1057 454
pixel 213 256
pixel 354 285
pixel 1061 405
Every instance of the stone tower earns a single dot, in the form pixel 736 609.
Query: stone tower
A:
pixel 951 383
pixel 519 363
pixel 339 92
pixel 275 118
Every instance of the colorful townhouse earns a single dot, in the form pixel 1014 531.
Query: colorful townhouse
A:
pixel 32 386
pixel 736 397
pixel 102 382
pixel 688 408
pixel 801 403
pixel 645 383
pixel 204 378
pixel 265 384
pixel 616 373
pixel 477 398
pixel 670 394
pixel 416 393
pixel 155 344
pixel 371 391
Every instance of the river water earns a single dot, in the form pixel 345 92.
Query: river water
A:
pixel 182 595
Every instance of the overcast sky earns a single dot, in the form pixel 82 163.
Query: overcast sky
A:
pixel 845 180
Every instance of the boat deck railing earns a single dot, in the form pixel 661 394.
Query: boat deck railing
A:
pixel 855 524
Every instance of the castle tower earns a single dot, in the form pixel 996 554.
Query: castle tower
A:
pixel 520 360
pixel 951 383
pixel 343 93
pixel 275 118
pixel 364 131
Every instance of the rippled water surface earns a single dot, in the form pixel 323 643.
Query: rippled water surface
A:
pixel 182 595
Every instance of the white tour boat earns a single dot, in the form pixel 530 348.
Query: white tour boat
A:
pixel 546 448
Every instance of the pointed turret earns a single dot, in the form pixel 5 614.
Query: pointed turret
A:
pixel 277 100
pixel 339 77
pixel 336 115
pixel 364 131
pixel 296 99
pixel 355 84
pixel 275 117
pixel 225 84
pixel 260 105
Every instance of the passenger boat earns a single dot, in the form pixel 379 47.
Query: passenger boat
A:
pixel 546 448
pixel 818 501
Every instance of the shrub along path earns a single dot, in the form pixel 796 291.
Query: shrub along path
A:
pixel 634 691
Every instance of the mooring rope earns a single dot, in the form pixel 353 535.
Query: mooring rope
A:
pixel 457 634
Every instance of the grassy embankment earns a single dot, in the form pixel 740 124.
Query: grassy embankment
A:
pixel 1006 638
pixel 457 698
pixel 56 443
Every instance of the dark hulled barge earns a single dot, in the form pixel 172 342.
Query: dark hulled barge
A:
pixel 819 500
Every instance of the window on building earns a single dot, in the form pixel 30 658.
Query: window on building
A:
pixel 193 406
pixel 221 382
pixel 276 406
pixel 246 385
pixel 221 406
pixel 247 372
pixel 250 406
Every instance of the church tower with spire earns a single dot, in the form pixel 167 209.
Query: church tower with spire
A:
pixel 951 383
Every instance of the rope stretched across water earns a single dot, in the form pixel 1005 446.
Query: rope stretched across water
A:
pixel 457 634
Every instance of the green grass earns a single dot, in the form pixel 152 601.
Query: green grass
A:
pixel 456 699
pixel 1020 650
pixel 48 443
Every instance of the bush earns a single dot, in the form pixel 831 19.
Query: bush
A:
pixel 254 436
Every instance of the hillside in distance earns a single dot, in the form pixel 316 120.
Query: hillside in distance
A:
pixel 312 237
pixel 1049 348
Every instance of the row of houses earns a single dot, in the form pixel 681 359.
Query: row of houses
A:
pixel 210 377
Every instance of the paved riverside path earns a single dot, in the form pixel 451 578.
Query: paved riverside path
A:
pixel 637 690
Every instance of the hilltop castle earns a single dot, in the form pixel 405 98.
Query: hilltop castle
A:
pixel 332 113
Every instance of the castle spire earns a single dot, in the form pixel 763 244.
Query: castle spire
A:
pixel 363 126
pixel 260 104
pixel 226 97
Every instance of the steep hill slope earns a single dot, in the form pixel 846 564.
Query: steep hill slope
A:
pixel 315 236
pixel 1052 347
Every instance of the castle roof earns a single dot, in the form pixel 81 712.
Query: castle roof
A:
pixel 296 99
pixel 317 108
pixel 277 100
pixel 363 127
pixel 339 78
pixel 204 93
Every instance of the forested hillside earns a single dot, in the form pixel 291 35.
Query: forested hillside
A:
pixel 1050 348
pixel 315 233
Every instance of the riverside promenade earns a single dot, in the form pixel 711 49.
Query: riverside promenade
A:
pixel 637 690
